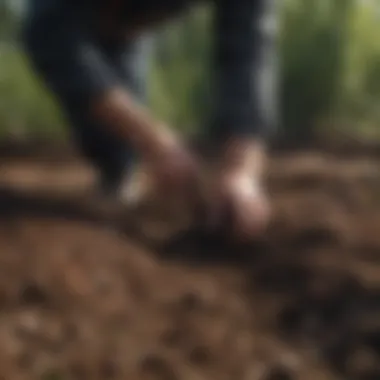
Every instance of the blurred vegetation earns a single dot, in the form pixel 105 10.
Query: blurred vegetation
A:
pixel 330 72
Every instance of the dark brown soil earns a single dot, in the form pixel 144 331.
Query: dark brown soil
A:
pixel 86 294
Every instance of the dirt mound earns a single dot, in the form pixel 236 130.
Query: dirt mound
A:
pixel 84 297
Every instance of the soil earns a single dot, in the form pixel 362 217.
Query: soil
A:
pixel 86 293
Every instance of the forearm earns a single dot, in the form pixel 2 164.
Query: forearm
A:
pixel 246 69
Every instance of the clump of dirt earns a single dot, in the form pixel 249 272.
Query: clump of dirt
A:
pixel 82 297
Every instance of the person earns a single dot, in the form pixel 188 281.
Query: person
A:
pixel 93 56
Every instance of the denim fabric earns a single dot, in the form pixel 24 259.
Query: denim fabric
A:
pixel 245 69
pixel 77 66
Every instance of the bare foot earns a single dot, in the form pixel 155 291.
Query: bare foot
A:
pixel 244 201
pixel 239 200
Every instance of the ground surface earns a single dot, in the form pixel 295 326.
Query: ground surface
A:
pixel 84 296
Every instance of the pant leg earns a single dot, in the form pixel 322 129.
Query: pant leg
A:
pixel 131 60
pixel 111 155
pixel 77 68
pixel 245 69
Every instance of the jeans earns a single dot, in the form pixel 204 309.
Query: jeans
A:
pixel 77 65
